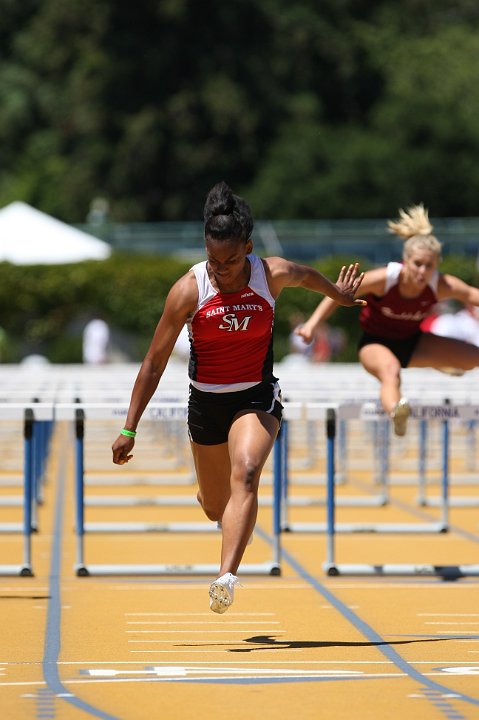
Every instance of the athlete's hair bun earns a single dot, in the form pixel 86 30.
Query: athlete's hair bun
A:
pixel 226 215
pixel 220 201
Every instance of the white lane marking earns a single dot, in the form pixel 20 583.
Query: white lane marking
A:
pixel 206 677
pixel 197 586
pixel 447 622
pixel 185 670
pixel 201 622
pixel 448 614
pixel 239 630
pixel 395 585
pixel 426 697
pixel 274 674
pixel 198 614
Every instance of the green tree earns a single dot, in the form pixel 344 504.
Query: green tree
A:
pixel 339 109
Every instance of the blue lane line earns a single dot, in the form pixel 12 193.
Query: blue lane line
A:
pixel 371 634
pixel 52 639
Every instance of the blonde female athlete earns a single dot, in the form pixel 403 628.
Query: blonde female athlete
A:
pixel 399 297
pixel 234 407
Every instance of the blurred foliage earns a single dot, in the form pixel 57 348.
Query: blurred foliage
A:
pixel 338 109
pixel 43 309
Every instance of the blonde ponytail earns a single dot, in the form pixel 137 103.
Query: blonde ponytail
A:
pixel 414 227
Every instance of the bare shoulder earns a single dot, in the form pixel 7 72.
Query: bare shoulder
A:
pixel 183 295
pixel 277 266
pixel 374 281
pixel 376 274
pixel 280 273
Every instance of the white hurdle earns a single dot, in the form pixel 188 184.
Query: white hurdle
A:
pixel 372 412
pixel 79 413
pixel 32 415
pixel 444 413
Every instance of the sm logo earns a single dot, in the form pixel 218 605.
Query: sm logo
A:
pixel 231 322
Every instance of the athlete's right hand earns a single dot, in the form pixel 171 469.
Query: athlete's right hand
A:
pixel 305 332
pixel 122 448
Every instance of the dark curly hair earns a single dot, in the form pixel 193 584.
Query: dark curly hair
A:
pixel 227 216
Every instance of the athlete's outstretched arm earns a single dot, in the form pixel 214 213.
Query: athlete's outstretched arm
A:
pixel 452 287
pixel 180 302
pixel 372 282
pixel 283 273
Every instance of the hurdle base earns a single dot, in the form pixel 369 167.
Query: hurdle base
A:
pixel 458 502
pixel 346 501
pixel 81 571
pixel 16 570
pixel 116 480
pixel 142 527
pixel 11 527
pixel 205 569
pixel 446 572
pixel 387 528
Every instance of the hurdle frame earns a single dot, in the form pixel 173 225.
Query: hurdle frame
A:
pixel 447 572
pixel 80 413
pixel 369 411
pixel 31 414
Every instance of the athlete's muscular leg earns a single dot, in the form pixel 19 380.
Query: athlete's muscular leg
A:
pixel 250 441
pixel 379 361
pixel 228 479
pixel 213 470
pixel 436 352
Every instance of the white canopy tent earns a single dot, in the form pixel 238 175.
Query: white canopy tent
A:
pixel 31 237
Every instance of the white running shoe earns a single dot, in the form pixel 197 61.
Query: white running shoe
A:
pixel 399 416
pixel 222 592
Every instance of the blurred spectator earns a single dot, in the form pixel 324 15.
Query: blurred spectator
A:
pixel 96 340
pixel 99 211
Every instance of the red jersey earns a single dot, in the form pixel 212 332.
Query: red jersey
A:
pixel 231 334
pixel 394 316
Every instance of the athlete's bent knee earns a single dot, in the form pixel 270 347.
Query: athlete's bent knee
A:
pixel 247 475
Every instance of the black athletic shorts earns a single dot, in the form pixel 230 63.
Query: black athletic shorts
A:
pixel 402 349
pixel 210 415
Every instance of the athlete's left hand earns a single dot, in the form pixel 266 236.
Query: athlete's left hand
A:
pixel 348 283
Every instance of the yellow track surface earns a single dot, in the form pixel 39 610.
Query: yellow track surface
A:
pixel 301 645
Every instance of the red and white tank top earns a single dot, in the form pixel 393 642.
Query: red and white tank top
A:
pixel 394 316
pixel 231 334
